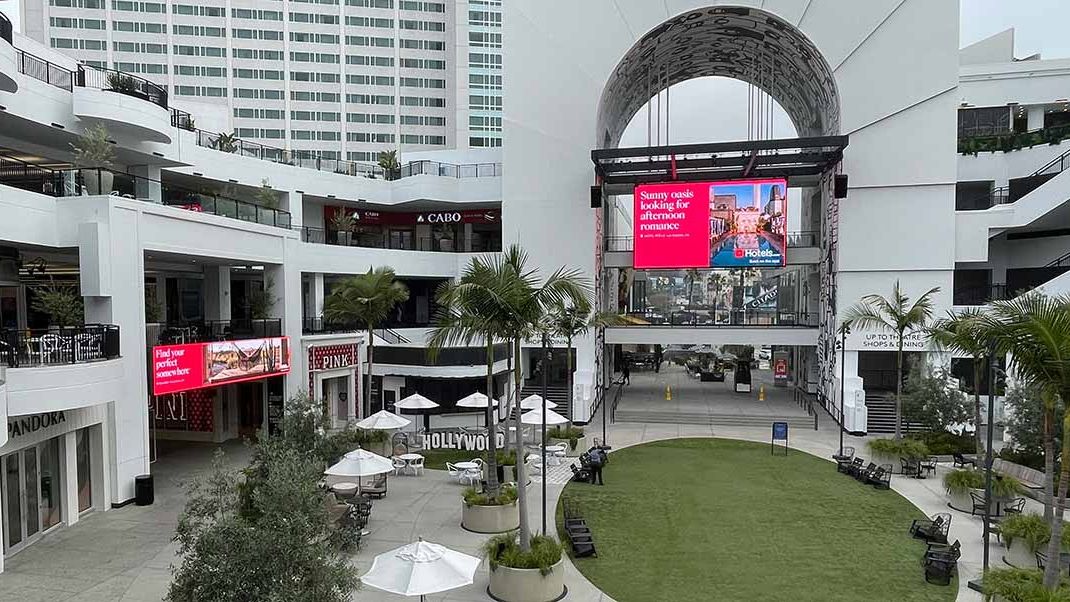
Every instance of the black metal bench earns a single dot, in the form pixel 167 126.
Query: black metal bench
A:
pixel 932 530
pixel 579 534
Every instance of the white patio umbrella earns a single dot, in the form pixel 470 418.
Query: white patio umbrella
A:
pixel 383 421
pixel 421 568
pixel 535 402
pixel 476 400
pixel 535 417
pixel 415 402
pixel 360 463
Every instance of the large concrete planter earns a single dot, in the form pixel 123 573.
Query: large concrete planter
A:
pixel 1019 555
pixel 961 500
pixel 490 519
pixel 527 585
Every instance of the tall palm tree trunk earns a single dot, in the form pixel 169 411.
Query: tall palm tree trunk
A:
pixel 371 350
pixel 1052 569
pixel 568 376
pixel 977 405
pixel 899 389
pixel 1049 462
pixel 521 467
pixel 493 486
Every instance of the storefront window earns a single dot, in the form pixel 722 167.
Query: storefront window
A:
pixel 51 497
pixel 85 480
pixel 13 518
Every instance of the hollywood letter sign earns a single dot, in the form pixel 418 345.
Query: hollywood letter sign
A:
pixel 459 440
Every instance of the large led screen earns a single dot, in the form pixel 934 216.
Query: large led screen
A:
pixel 177 368
pixel 726 224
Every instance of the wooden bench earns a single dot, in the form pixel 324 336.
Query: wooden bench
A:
pixel 1032 480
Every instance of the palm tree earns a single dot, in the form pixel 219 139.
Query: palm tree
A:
pixel 470 310
pixel 962 333
pixel 571 321
pixel 899 316
pixel 691 277
pixel 1034 330
pixel 388 160
pixel 366 299
pixel 528 302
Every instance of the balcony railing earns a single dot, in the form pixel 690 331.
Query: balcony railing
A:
pixel 979 295
pixel 322 236
pixel 182 120
pixel 82 181
pixel 795 240
pixel 322 326
pixel 59 346
pixel 312 160
pixel 204 331
pixel 6 29
pixel 40 69
pixel 111 80
pixel 725 318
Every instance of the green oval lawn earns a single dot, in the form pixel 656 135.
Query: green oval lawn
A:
pixel 718 519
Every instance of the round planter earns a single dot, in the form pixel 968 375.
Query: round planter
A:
pixel 527 585
pixel 1019 555
pixel 508 474
pixel 490 519
pixel 98 181
pixel 961 500
pixel 581 446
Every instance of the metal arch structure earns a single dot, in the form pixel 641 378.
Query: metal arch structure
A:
pixel 742 43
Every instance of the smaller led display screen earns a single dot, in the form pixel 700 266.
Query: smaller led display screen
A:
pixel 177 368
pixel 710 224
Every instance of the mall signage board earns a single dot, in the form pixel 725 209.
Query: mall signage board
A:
pixel 460 440
pixel 399 218
pixel 177 368
pixel 876 340
pixel 726 224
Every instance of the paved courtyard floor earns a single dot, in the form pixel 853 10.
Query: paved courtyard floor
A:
pixel 126 554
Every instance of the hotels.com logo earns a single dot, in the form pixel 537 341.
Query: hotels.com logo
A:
pixel 753 253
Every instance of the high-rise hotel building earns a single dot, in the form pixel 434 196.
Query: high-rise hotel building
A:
pixel 344 78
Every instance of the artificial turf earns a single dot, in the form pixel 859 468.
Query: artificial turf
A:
pixel 718 519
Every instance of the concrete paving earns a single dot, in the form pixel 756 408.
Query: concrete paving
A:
pixel 647 394
pixel 126 554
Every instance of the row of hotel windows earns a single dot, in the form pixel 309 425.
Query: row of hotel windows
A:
pixel 334 136
pixel 378 118
pixel 217 11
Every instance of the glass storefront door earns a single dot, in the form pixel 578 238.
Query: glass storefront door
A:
pixel 31 493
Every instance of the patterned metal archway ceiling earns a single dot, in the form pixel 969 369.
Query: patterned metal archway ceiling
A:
pixel 747 44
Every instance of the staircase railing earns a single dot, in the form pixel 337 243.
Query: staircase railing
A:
pixel 1055 166
pixel 392 336
pixel 1059 262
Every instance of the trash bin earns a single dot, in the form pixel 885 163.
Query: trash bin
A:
pixel 143 490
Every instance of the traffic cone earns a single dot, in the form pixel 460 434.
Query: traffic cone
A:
pixel 668 393
pixel 761 392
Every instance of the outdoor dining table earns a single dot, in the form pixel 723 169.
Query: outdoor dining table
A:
pixel 409 458
pixel 467 465
pixel 554 453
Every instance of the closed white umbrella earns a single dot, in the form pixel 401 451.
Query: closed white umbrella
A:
pixel 421 568
pixel 360 463
pixel 383 421
pixel 415 402
pixel 535 417
pixel 476 400
pixel 535 402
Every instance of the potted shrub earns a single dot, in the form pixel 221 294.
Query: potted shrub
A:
pixel 61 302
pixel 1021 585
pixel 1005 488
pixel 537 575
pixel 569 436
pixel 959 483
pixel 95 155
pixel 889 451
pixel 227 143
pixel 124 84
pixel 342 223
pixel 506 467
pixel 1024 535
pixel 482 513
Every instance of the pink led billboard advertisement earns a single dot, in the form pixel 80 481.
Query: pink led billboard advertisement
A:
pixel 735 223
pixel 177 368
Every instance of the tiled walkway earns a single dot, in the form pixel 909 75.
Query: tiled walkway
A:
pixel 125 554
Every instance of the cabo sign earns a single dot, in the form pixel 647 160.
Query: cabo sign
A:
pixel 460 440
